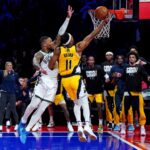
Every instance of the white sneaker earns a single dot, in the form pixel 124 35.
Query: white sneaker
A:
pixel 69 136
pixel 16 127
pixel 123 129
pixel 143 132
pixel 51 124
pixel 36 127
pixel 8 123
pixel 88 131
pixel 81 135
pixel 70 128
pixel 40 125
pixel 1 128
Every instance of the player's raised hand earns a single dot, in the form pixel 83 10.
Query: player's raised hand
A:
pixel 69 11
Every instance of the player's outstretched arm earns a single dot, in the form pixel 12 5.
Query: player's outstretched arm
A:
pixel 63 28
pixel 55 57
pixel 87 40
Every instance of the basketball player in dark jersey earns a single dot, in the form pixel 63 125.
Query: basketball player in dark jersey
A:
pixel 94 77
pixel 134 74
pixel 108 88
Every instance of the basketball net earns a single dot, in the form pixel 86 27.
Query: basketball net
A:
pixel 105 32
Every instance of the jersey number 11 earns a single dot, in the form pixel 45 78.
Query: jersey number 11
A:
pixel 68 64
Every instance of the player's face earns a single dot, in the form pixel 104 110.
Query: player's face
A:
pixel 132 59
pixel 91 61
pixel 109 57
pixel 48 43
pixel 119 60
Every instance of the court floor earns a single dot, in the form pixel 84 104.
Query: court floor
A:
pixel 57 139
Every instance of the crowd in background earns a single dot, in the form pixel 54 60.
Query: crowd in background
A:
pixel 23 22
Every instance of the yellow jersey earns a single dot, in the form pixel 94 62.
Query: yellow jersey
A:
pixel 69 60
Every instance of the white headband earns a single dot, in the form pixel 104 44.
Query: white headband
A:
pixel 68 40
pixel 109 53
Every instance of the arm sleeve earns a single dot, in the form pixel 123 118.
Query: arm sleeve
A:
pixel 64 26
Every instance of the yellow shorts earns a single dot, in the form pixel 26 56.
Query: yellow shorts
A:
pixel 59 98
pixel 97 97
pixel 74 86
pixel 110 93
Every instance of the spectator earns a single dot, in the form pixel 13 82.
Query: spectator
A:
pixel 23 98
pixel 8 87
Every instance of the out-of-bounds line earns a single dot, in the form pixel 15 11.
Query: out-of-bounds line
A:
pixel 123 140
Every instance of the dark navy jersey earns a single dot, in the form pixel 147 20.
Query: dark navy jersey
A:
pixel 118 81
pixel 94 78
pixel 133 77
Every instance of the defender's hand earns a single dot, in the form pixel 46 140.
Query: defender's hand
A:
pixel 43 71
pixel 69 11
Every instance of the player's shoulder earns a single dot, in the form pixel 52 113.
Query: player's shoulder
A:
pixel 39 53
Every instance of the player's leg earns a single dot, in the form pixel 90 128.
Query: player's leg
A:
pixel 117 109
pixel 31 107
pixel 99 100
pixel 38 125
pixel 37 114
pixel 39 92
pixel 138 105
pixel 91 99
pixel 130 120
pixel 48 98
pixel 126 104
pixel 109 104
pixel 83 102
pixel 67 116
pixel 51 116
pixel 71 85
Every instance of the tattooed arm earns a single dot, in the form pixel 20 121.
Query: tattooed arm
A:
pixel 38 57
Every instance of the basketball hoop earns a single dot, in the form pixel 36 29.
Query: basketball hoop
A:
pixel 105 32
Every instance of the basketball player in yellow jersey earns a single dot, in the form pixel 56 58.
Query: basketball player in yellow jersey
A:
pixel 68 56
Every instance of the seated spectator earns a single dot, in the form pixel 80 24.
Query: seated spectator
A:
pixel 23 98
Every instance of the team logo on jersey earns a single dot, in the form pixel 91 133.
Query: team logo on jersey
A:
pixel 131 70
pixel 91 74
pixel 46 59
pixel 107 68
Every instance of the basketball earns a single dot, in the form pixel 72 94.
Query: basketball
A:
pixel 101 12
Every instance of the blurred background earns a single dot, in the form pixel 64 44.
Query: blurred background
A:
pixel 23 22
